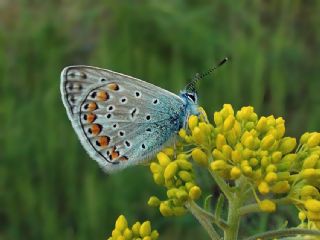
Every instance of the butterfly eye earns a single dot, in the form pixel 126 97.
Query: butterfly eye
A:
pixel 191 96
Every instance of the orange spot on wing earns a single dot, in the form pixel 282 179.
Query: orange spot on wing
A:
pixel 114 154
pixel 123 158
pixel 96 129
pixel 113 86
pixel 104 141
pixel 91 117
pixel 102 96
pixel 92 106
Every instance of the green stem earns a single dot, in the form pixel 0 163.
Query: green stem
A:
pixel 203 219
pixel 231 233
pixel 284 232
pixel 225 188
pixel 212 218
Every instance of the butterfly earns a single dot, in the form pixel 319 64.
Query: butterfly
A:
pixel 121 120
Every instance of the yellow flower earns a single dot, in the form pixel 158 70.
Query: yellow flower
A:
pixel 263 188
pixel 314 140
pixel 163 159
pixel 192 122
pixel 287 144
pixel 312 205
pixel 218 165
pixel 154 201
pixel 170 170
pixel 121 223
pixel 145 229
pixel 267 205
pixel 199 157
pixel 228 123
pixel 194 192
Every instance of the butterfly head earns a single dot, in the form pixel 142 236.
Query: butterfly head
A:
pixel 191 101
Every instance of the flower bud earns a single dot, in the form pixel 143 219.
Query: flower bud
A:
pixel 163 159
pixel 165 210
pixel 145 229
pixel 271 177
pixel 310 161
pixel 280 187
pixel 235 172
pixel 276 156
pixel 314 140
pixel 304 138
pixel 136 228
pixel 194 192
pixel 267 205
pixel 158 178
pixel 185 176
pixel 218 165
pixel 154 201
pixel 127 234
pixel 170 170
pixel 182 195
pixel 121 223
pixel 263 188
pixel 184 164
pixel 115 234
pixel 155 168
pixel 312 205
pixel 309 191
pixel 313 216
pixel 302 216
pixel 236 156
pixel 192 121
pixel 228 123
pixel 248 142
pixel 308 173
pixel 267 142
pixel 217 154
pixel 262 125
pixel 199 157
pixel 182 133
pixel 199 136
pixel 154 235
pixel 218 120
pixel 220 141
pixel 287 144
pixel 168 151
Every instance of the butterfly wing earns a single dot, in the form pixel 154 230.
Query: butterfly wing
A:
pixel 119 119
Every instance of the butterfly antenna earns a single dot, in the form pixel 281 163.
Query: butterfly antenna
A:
pixel 197 77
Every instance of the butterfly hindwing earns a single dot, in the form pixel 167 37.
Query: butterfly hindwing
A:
pixel 119 119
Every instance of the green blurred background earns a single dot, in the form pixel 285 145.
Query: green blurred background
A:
pixel 49 188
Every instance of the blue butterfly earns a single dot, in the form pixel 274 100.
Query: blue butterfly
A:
pixel 121 120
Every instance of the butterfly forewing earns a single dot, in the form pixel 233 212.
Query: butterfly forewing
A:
pixel 119 119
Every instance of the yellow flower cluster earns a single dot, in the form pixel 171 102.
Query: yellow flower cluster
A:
pixel 256 148
pixel 309 163
pixel 138 231
pixel 176 174
pixel 241 145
